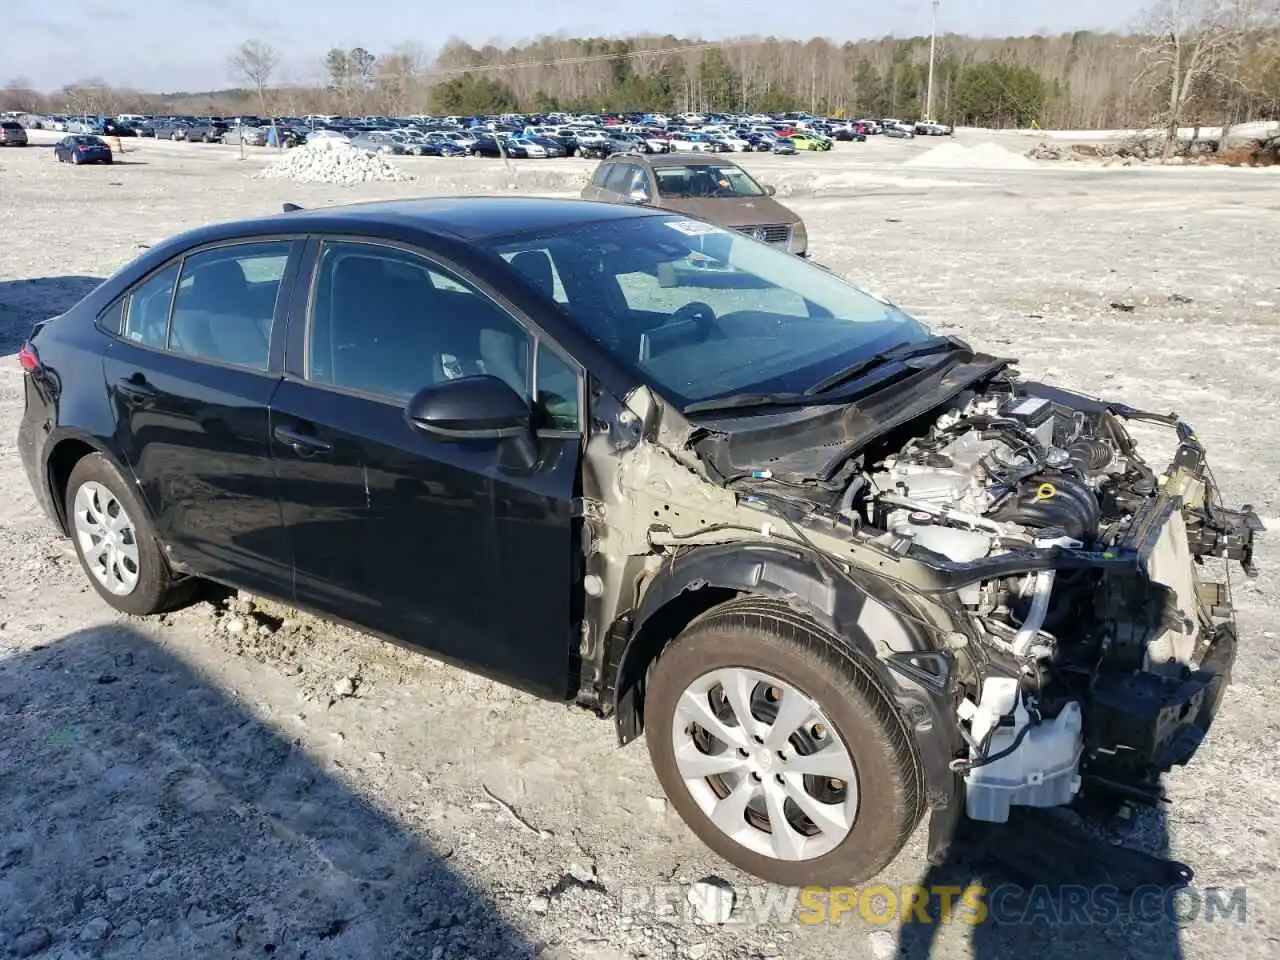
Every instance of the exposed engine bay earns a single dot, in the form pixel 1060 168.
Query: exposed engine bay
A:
pixel 1062 688
pixel 1008 471
pixel 1061 575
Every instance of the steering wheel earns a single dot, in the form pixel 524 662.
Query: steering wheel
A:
pixel 698 313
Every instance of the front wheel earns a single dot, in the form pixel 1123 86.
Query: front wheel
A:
pixel 778 748
pixel 115 542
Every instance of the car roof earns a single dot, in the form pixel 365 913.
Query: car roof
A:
pixel 677 160
pixel 462 218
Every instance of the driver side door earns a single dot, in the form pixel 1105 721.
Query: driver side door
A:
pixel 435 543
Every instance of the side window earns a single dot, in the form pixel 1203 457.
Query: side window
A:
pixel 226 303
pixel 557 392
pixel 602 174
pixel 110 319
pixel 618 178
pixel 146 318
pixel 388 323
pixel 639 180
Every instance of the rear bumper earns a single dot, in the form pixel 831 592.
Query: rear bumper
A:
pixel 33 449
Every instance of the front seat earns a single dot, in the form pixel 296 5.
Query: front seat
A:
pixel 506 356
pixel 379 330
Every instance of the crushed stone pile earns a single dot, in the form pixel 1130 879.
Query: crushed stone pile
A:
pixel 980 156
pixel 332 160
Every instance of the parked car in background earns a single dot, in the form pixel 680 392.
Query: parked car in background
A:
pixel 533 147
pixel 712 188
pixel 809 141
pixel 899 132
pixel 608 145
pixel 848 134
pixel 199 131
pixel 696 142
pixel 119 128
pixel 249 136
pixel 784 146
pixel 929 128
pixel 81 148
pixel 442 148
pixel 12 134
pixel 487 145
pixel 378 142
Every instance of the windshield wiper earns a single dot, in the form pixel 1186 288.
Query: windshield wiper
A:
pixel 903 351
pixel 811 397
pixel 740 400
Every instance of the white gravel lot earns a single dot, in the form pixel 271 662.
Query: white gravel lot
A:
pixel 218 783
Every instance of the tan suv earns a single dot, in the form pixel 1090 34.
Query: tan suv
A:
pixel 709 187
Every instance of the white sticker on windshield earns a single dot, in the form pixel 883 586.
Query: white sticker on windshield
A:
pixel 694 228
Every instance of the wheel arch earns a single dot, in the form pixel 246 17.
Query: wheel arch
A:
pixel 64 453
pixel 868 619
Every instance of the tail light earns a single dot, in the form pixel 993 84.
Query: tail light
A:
pixel 28 358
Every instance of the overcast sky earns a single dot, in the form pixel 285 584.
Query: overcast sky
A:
pixel 166 45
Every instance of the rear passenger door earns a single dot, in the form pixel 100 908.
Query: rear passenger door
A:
pixel 190 376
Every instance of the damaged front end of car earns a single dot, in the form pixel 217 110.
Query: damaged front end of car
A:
pixel 1037 601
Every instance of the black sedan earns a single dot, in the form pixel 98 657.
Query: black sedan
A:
pixel 82 148
pixel 618 456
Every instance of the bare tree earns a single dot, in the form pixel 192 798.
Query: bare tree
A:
pixel 396 77
pixel 18 94
pixel 1193 44
pixel 88 97
pixel 254 62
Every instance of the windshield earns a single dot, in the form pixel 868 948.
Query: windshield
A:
pixel 705 180
pixel 701 312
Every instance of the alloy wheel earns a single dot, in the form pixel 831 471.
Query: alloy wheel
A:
pixel 107 538
pixel 764 764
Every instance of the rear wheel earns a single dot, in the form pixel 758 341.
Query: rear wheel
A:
pixel 116 543
pixel 779 749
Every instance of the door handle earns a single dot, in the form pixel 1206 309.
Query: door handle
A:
pixel 304 444
pixel 136 390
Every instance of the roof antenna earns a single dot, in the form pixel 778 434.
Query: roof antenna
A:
pixel 290 207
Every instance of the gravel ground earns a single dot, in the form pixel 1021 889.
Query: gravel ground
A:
pixel 237 780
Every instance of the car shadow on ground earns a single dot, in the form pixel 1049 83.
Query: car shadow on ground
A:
pixel 1049 888
pixel 24 303
pixel 146 811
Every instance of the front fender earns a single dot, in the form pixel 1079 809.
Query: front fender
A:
pixel 866 615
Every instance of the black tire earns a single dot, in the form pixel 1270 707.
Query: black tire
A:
pixel 156 590
pixel 772 638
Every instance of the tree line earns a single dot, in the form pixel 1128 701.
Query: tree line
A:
pixel 1195 61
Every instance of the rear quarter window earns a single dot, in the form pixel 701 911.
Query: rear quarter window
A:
pixel 111 319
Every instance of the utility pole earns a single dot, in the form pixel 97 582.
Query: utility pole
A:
pixel 933 46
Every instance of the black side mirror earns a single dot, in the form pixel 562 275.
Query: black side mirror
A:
pixel 470 408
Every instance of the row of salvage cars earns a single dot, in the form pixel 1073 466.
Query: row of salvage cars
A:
pixel 840 572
